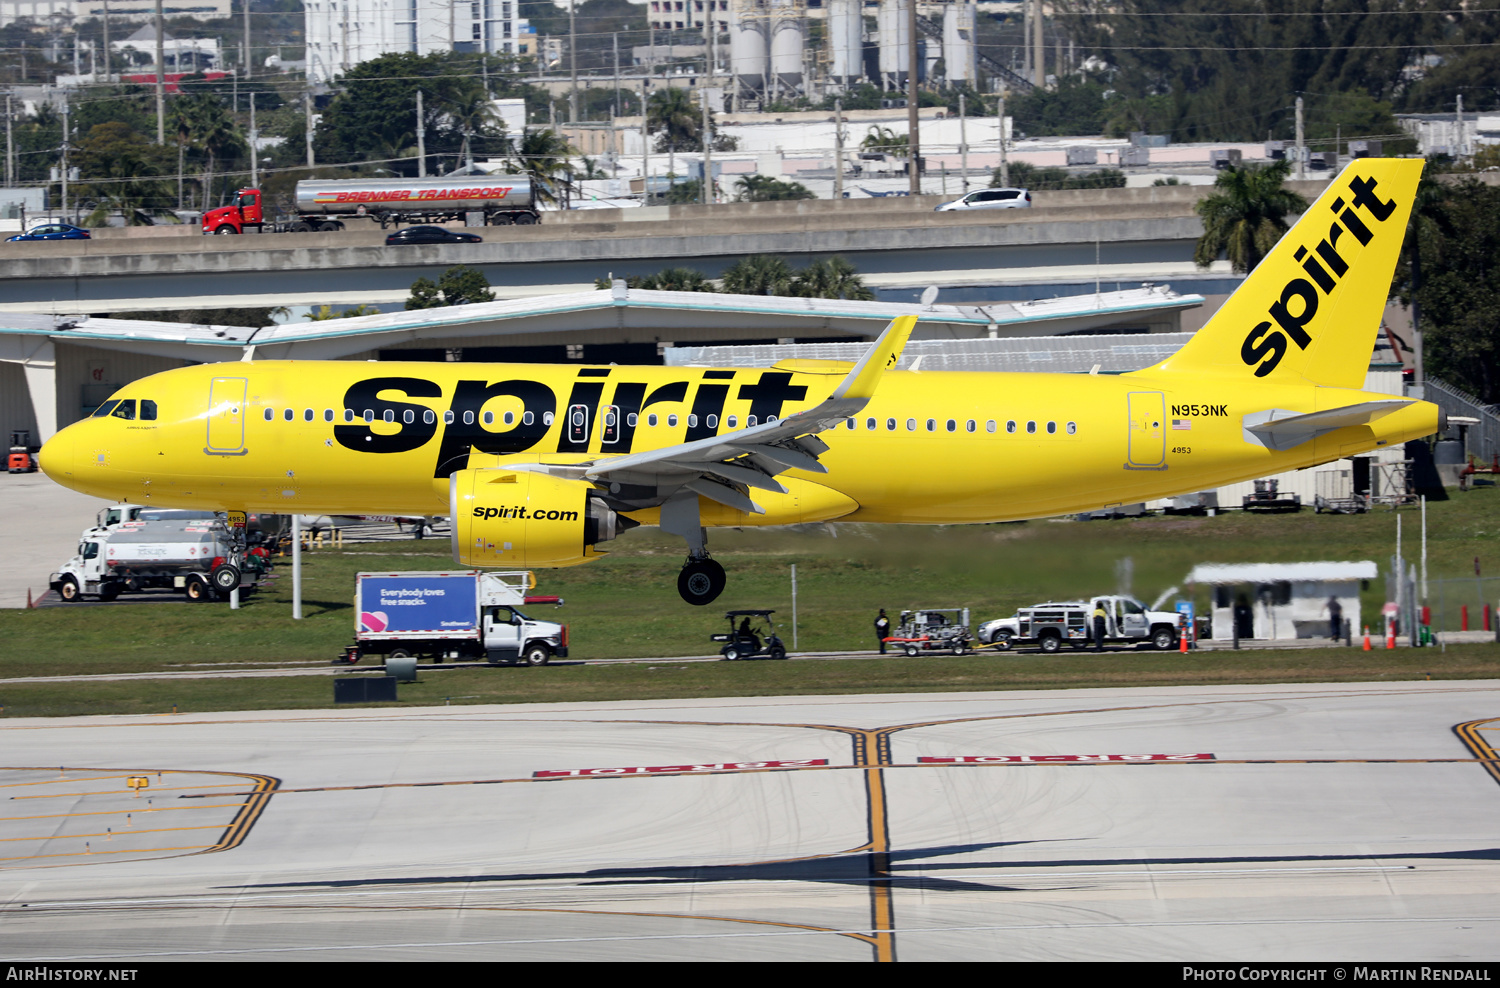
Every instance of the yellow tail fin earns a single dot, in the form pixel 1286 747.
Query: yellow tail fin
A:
pixel 1311 309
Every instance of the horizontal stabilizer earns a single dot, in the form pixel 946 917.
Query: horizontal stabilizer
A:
pixel 1280 430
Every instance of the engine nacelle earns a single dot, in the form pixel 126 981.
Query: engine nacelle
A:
pixel 518 518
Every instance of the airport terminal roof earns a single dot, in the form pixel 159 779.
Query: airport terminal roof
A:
pixel 1111 354
pixel 1278 572
pixel 672 315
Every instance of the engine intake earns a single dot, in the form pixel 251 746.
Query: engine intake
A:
pixel 519 518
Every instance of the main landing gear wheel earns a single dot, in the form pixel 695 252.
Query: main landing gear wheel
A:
pixel 701 582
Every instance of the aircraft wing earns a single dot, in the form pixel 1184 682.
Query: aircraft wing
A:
pixel 1282 430
pixel 723 468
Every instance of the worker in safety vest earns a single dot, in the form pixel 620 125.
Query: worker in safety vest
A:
pixel 1101 618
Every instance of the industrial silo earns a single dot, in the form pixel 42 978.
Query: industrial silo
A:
pixel 895 43
pixel 749 44
pixel 788 29
pixel 958 42
pixel 846 29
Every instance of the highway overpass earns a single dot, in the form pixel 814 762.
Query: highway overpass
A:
pixel 1066 244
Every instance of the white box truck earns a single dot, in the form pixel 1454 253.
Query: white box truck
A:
pixel 464 615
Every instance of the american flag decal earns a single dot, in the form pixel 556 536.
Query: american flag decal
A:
pixel 1181 424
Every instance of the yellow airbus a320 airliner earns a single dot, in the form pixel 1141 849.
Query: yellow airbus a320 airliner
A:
pixel 538 465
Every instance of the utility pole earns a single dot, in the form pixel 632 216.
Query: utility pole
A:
pixel 64 169
pixel 107 77
pixel 838 149
pixel 617 73
pixel 245 41
pixel 309 98
pixel 708 150
pixel 1004 164
pixel 1458 124
pixel 573 61
pixel 421 140
pixel 645 149
pixel 1026 16
pixel 161 80
pixel 10 148
pixel 913 126
pixel 1039 64
pixel 963 144
pixel 1301 152
pixel 254 160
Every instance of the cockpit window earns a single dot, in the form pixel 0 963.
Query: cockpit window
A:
pixel 148 410
pixel 104 409
pixel 125 409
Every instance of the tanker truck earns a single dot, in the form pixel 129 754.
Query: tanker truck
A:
pixel 199 558
pixel 324 204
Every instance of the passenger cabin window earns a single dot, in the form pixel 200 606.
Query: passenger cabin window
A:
pixel 327 415
pixel 270 415
pixel 307 414
pixel 288 414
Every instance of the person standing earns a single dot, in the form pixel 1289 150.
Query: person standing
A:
pixel 1101 617
pixel 1335 618
pixel 882 629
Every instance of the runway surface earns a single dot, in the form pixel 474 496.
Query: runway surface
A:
pixel 1340 822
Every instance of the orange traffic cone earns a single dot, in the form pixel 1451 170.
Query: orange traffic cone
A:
pixel 1367 638
pixel 1390 636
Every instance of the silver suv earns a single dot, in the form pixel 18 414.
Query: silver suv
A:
pixel 989 199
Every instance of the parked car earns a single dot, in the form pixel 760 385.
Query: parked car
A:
pixel 431 235
pixel 52 231
pixel 989 199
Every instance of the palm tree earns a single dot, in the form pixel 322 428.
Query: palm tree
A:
pixel 834 277
pixel 678 280
pixel 888 141
pixel 1247 216
pixel 763 188
pixel 543 156
pixel 672 112
pixel 758 274
pixel 473 112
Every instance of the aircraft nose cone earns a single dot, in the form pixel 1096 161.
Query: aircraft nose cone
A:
pixel 57 456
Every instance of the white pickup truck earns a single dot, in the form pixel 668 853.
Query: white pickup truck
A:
pixel 1051 625
pixel 198 557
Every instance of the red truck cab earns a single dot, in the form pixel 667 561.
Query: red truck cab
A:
pixel 244 211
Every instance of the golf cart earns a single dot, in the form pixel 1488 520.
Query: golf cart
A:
pixel 754 636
